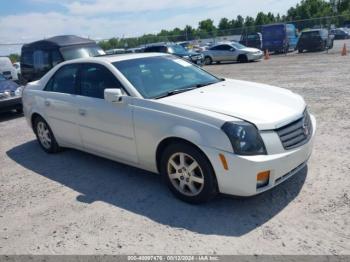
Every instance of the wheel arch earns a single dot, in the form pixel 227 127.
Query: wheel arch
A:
pixel 242 56
pixel 209 56
pixel 172 140
pixel 33 117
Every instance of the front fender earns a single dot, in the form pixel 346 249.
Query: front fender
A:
pixel 154 125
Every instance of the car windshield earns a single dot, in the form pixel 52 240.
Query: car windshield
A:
pixel 159 76
pixel 177 49
pixel 2 78
pixel 310 34
pixel 70 53
pixel 237 45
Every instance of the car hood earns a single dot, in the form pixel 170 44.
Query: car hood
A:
pixel 186 54
pixel 265 106
pixel 8 85
pixel 250 50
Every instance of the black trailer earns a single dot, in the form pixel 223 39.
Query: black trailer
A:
pixel 39 57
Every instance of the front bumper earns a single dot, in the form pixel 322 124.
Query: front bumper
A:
pixel 11 103
pixel 241 177
pixel 254 57
pixel 198 59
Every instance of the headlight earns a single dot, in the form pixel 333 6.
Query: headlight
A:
pixel 186 57
pixel 19 91
pixel 245 138
pixel 6 94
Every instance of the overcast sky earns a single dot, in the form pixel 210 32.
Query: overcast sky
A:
pixel 23 21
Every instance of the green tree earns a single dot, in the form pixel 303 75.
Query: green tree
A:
pixel 207 27
pixel 224 24
pixel 262 19
pixel 14 58
pixel 249 21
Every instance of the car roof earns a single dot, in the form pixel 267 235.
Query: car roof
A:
pixel 116 58
pixel 223 43
pixel 61 41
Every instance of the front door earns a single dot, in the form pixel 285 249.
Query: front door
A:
pixel 105 127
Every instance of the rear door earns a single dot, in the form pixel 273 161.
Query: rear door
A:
pixel 60 105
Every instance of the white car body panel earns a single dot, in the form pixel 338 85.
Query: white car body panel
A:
pixel 130 132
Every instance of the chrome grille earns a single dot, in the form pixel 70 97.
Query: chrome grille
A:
pixel 296 133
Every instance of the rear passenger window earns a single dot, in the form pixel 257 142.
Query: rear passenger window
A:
pixel 64 80
pixel 95 79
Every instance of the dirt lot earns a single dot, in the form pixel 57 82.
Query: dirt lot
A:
pixel 76 203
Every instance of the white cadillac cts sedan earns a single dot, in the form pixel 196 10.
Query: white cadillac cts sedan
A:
pixel 203 134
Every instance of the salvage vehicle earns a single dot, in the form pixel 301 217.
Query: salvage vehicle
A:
pixel 39 57
pixel 10 95
pixel 204 135
pixel 176 50
pixel 231 51
pixel 252 40
pixel 340 33
pixel 279 38
pixel 7 69
pixel 116 51
pixel 315 40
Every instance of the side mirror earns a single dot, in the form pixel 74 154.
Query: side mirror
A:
pixel 114 95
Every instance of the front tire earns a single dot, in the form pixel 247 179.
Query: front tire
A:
pixel 242 59
pixel 208 60
pixel 45 136
pixel 188 173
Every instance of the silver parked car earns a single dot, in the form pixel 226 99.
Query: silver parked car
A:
pixel 231 51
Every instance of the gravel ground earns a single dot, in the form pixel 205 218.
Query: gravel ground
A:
pixel 76 203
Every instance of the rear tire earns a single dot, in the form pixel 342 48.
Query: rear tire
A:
pixel 45 136
pixel 188 173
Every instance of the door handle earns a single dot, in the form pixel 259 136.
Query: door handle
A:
pixel 47 103
pixel 82 112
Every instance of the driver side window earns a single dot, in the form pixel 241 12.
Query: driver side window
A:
pixel 226 47
pixel 95 79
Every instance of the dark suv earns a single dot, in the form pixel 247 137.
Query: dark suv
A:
pixel 39 57
pixel 176 50
pixel 315 40
pixel 252 40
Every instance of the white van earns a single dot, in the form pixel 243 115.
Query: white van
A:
pixel 7 69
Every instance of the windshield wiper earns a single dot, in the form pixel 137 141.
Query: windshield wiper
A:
pixel 183 90
pixel 175 92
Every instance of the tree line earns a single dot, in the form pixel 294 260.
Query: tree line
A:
pixel 302 13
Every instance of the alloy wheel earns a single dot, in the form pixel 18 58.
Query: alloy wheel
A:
pixel 185 174
pixel 44 135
